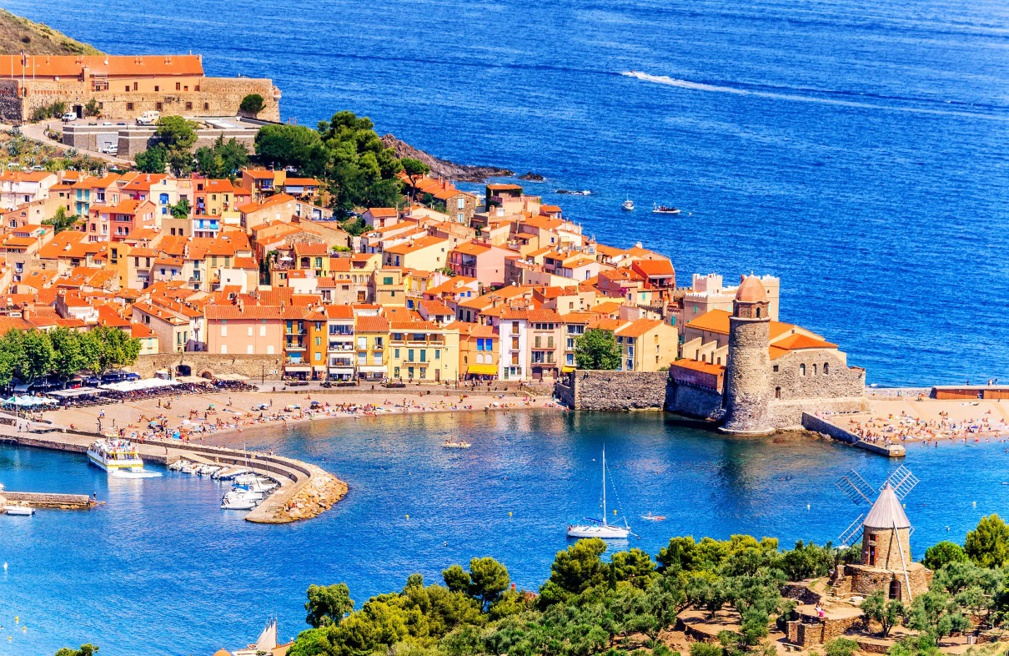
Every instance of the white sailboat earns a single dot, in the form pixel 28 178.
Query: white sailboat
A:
pixel 600 528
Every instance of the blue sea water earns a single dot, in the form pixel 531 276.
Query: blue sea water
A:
pixel 161 569
pixel 854 148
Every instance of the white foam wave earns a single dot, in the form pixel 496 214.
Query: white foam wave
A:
pixel 699 86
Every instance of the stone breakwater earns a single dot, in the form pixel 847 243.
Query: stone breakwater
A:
pixel 305 491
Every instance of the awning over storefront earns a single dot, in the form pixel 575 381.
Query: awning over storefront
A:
pixel 566 369
pixel 341 370
pixel 297 368
pixel 371 369
pixel 482 369
pixel 232 377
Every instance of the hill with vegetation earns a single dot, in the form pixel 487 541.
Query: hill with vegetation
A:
pixel 19 34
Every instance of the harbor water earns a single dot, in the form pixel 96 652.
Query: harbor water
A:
pixel 160 566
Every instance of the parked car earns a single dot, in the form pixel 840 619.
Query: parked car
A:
pixel 69 116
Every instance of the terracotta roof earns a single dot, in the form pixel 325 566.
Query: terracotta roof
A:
pixel 366 324
pixel 638 328
pixel 253 312
pixel 799 341
pixel 72 66
pixel 751 290
pixel 697 365
pixel 383 212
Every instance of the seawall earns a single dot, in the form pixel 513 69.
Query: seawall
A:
pixel 820 425
pixel 613 391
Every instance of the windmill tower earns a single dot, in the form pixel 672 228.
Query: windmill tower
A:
pixel 885 534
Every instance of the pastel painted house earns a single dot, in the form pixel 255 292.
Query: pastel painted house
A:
pixel 245 329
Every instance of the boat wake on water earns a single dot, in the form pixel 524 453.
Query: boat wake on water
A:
pixel 141 473
pixel 968 109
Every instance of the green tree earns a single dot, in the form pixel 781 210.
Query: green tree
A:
pixel 328 605
pixel 176 133
pixel 153 160
pixel 181 210
pixel 361 170
pixel 597 349
pixel 61 221
pixel 252 104
pixel 988 544
pixel 117 349
pixel 291 145
pixel 807 560
pixel 38 356
pixel 85 650
pixel 68 356
pixel 223 159
pixel 885 613
pixel 942 553
pixel 574 570
pixel 414 169
pixel 92 108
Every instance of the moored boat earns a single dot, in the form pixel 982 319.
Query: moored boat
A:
pixel 19 511
pixel 460 444
pixel 664 209
pixel 600 528
pixel 627 205
pixel 118 458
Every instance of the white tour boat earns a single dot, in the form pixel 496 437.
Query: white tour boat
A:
pixel 600 528
pixel 118 458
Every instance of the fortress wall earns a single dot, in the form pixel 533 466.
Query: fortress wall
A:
pixel 614 391
pixel 252 366
pixel 694 401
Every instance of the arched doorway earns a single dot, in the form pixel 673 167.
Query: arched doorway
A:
pixel 894 589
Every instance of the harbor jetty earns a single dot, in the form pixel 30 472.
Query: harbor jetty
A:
pixel 9 498
pixel 305 490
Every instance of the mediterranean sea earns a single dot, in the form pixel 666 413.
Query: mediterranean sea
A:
pixel 161 569
pixel 856 149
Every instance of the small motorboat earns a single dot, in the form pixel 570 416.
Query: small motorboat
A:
pixel 229 502
pixel 627 205
pixel 664 209
pixel 653 518
pixel 460 444
pixel 19 511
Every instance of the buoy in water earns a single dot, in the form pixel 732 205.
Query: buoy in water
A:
pixel 808 506
pixel 408 516
pixel 509 513
pixel 974 503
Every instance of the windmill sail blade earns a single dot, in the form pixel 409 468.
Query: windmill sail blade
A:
pixel 855 488
pixel 902 481
pixel 851 534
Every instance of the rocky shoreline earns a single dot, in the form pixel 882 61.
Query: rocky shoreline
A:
pixel 443 168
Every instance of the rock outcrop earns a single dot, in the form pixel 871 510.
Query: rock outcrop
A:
pixel 443 168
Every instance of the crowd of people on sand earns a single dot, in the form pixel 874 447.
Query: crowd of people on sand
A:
pixel 198 424
pixel 904 427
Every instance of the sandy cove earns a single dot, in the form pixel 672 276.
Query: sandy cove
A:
pixel 905 419
pixel 225 415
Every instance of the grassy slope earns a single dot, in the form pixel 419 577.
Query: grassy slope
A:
pixel 17 34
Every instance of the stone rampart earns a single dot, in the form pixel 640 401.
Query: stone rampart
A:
pixel 819 425
pixel 254 366
pixel 694 401
pixel 613 391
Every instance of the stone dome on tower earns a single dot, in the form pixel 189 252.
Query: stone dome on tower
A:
pixel 751 290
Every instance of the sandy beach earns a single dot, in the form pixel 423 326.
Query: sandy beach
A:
pixel 895 420
pixel 223 414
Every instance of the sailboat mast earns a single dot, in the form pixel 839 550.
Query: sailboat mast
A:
pixel 604 486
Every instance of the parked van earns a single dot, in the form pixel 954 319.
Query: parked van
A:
pixel 148 118
pixel 69 116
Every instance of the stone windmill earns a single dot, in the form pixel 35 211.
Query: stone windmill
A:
pixel 885 532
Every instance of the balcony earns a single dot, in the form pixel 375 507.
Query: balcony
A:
pixel 338 346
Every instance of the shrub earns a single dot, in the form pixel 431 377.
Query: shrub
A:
pixel 705 649
pixel 840 647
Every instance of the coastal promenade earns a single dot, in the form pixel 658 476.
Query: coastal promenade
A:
pixel 305 491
